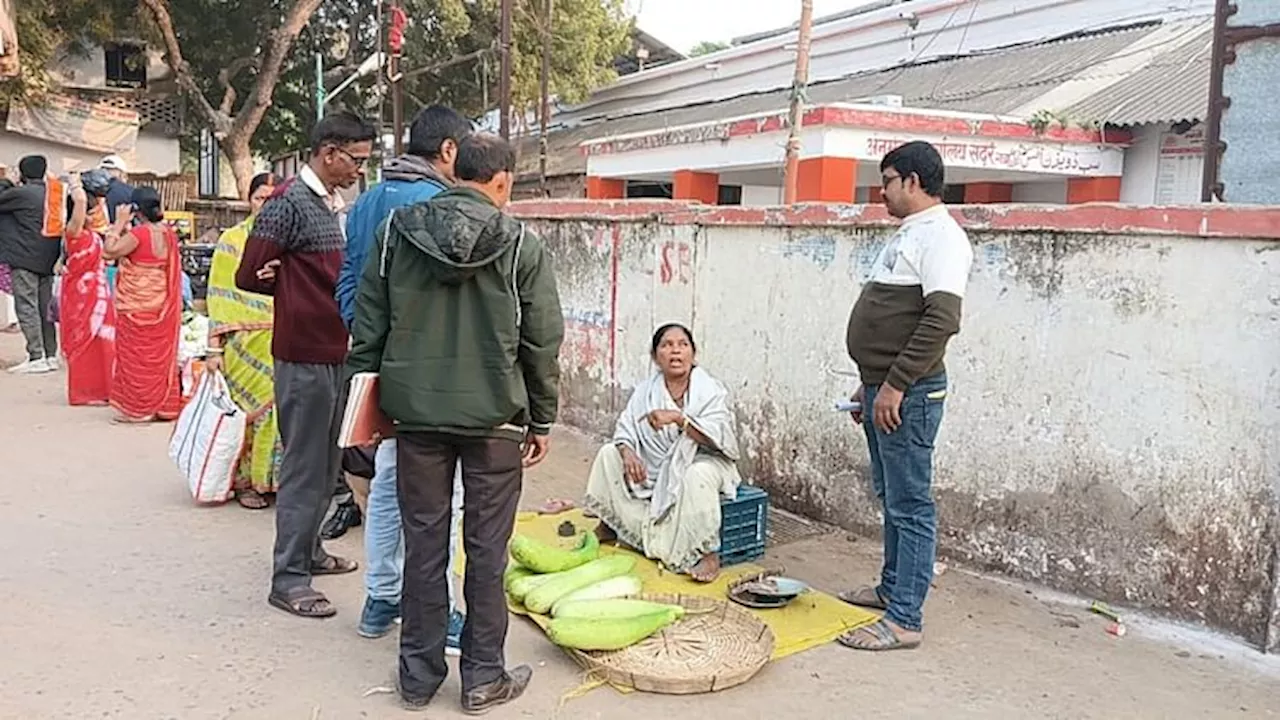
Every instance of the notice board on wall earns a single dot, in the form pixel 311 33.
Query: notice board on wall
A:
pixel 1180 167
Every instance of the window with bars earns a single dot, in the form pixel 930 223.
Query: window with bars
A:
pixel 126 65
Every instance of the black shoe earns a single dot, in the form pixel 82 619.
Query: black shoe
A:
pixel 412 704
pixel 344 517
pixel 499 692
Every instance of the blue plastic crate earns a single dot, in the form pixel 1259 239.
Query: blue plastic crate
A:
pixel 744 525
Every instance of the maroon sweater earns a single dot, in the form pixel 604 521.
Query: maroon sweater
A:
pixel 297 228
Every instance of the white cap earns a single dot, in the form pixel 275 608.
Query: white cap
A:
pixel 113 162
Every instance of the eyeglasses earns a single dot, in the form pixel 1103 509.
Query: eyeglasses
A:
pixel 887 180
pixel 357 161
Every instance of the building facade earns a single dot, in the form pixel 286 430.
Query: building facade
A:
pixel 118 99
pixel 1082 89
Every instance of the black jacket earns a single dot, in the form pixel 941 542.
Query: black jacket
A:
pixel 22 245
pixel 118 193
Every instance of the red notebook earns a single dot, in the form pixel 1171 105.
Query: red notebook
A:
pixel 363 422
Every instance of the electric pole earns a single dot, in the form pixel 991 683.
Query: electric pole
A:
pixel 545 115
pixel 504 83
pixel 395 39
pixel 798 87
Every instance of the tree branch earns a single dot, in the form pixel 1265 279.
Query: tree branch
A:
pixel 437 67
pixel 225 78
pixel 273 57
pixel 182 70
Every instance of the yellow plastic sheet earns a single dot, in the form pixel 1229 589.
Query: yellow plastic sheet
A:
pixel 810 620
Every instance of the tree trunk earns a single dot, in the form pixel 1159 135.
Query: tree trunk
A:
pixel 241 158
pixel 235 132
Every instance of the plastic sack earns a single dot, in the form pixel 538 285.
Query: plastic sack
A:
pixel 207 441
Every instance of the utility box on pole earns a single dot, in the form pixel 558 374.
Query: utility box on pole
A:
pixel 1241 152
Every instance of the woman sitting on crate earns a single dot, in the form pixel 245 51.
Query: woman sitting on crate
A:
pixel 657 486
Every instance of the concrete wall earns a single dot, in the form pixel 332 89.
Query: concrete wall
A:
pixel 1053 192
pixel 1111 427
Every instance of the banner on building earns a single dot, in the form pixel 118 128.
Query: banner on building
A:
pixel 9 65
pixel 71 121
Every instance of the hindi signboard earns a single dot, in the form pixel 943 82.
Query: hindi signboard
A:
pixel 71 121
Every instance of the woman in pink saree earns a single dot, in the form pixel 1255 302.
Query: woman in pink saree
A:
pixel 86 315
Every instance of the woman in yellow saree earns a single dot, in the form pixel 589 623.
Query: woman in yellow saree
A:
pixel 240 346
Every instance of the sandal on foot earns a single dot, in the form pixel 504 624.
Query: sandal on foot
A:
pixel 334 565
pixel 876 637
pixel 303 602
pixel 864 597
pixel 252 500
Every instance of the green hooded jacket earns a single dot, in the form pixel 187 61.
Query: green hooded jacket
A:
pixel 457 309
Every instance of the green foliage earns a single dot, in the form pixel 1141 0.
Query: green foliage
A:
pixel 587 35
pixel 225 37
pixel 71 26
pixel 706 47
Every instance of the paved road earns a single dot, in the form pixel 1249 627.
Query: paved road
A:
pixel 121 600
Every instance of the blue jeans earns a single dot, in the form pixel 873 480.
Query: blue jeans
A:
pixel 383 536
pixel 902 473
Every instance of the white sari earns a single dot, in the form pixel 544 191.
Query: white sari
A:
pixel 674 516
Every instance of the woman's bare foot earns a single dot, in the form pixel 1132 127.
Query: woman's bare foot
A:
pixel 605 534
pixel 123 420
pixel 707 569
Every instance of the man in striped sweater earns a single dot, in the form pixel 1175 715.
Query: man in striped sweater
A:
pixel 294 253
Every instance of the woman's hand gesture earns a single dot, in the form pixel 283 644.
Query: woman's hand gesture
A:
pixel 633 469
pixel 659 419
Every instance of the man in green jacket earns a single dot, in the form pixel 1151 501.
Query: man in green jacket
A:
pixel 458 311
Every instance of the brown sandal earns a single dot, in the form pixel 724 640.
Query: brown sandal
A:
pixel 252 500
pixel 334 565
pixel 303 602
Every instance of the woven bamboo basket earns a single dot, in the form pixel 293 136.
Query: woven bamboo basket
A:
pixel 716 647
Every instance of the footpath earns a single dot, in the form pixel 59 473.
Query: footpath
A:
pixel 122 600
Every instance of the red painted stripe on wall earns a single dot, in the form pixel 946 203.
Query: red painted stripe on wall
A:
pixel 1210 221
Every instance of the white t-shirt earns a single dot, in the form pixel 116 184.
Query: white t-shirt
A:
pixel 931 250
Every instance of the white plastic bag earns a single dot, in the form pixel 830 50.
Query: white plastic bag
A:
pixel 208 439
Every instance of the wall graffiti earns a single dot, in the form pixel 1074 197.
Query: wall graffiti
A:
pixel 675 263
pixel 819 249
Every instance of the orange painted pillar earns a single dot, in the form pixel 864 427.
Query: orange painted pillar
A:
pixel 599 188
pixel 1096 189
pixel 697 186
pixel 987 192
pixel 827 179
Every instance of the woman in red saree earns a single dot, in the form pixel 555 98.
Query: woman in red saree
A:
pixel 86 316
pixel 148 297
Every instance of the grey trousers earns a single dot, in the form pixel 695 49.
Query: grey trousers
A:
pixel 309 412
pixel 32 294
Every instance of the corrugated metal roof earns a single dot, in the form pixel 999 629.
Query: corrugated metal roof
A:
pixel 1172 88
pixel 999 81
